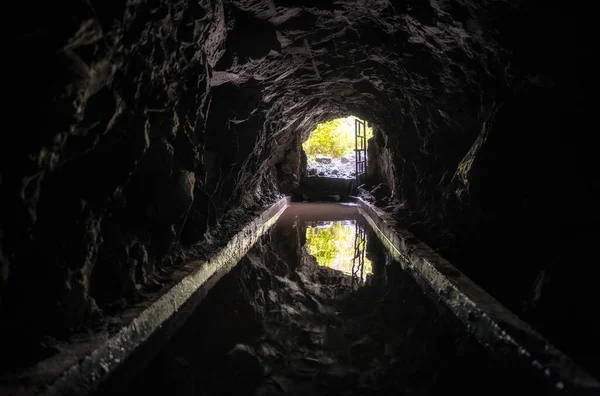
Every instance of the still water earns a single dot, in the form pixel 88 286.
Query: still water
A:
pixel 318 307
pixel 341 246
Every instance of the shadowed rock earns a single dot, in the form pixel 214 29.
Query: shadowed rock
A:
pixel 144 128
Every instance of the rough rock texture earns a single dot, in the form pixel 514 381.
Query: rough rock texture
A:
pixel 291 169
pixel 141 123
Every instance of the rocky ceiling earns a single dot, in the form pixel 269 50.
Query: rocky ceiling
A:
pixel 141 125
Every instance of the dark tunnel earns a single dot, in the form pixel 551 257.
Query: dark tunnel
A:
pixel 146 131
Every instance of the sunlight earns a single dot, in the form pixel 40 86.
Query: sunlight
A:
pixel 333 138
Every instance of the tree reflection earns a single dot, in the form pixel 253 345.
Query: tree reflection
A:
pixel 339 245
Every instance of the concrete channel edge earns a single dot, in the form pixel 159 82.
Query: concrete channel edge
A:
pixel 91 369
pixel 492 324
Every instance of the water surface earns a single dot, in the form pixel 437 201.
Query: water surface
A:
pixel 318 307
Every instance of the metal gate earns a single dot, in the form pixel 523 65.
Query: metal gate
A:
pixel 358 262
pixel 360 149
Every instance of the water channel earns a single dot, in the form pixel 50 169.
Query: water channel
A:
pixel 318 307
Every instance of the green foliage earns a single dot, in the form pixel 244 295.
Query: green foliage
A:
pixel 327 244
pixel 334 138
pixel 333 246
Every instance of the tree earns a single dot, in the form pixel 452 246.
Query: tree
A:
pixel 333 138
pixel 333 246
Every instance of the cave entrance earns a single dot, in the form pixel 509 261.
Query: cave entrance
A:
pixel 338 149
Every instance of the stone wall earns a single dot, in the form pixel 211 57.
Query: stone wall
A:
pixel 142 123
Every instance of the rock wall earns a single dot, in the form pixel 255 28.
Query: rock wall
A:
pixel 131 149
pixel 142 123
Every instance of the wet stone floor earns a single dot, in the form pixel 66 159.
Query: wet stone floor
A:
pixel 317 307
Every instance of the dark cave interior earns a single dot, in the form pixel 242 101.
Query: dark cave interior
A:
pixel 147 130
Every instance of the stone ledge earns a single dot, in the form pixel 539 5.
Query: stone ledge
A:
pixel 492 324
pixel 82 367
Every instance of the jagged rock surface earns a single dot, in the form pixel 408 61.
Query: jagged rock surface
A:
pixel 143 123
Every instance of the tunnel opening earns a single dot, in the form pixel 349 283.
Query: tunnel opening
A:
pixel 336 159
pixel 331 148
pixel 156 129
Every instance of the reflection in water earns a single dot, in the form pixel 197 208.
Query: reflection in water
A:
pixel 340 245
pixel 273 326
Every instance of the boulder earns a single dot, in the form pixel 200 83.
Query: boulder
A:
pixel 323 159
